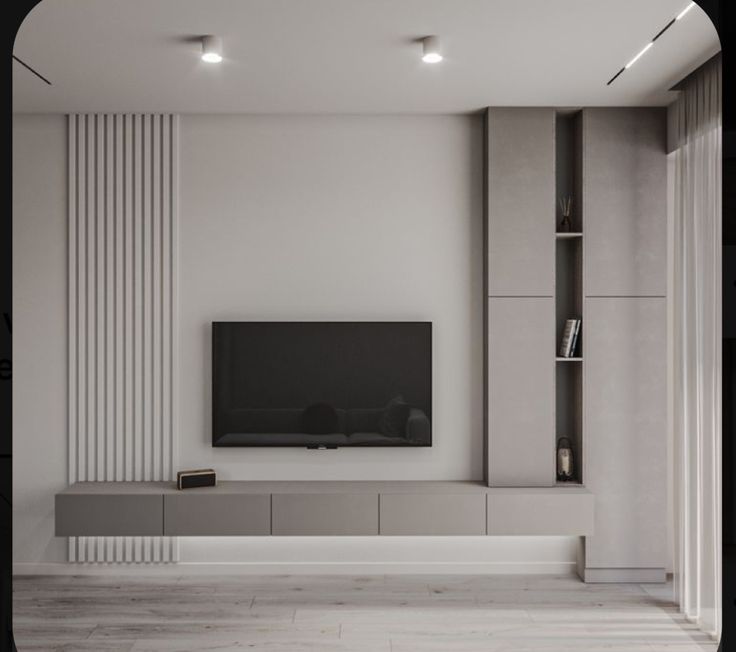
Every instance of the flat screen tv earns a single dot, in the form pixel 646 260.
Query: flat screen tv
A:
pixel 321 384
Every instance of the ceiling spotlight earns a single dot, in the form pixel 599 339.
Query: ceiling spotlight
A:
pixel 431 47
pixel 211 49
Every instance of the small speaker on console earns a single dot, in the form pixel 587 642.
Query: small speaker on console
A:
pixel 196 478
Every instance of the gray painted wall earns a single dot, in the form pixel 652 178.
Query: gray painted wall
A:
pixel 381 218
pixel 335 217
pixel 39 333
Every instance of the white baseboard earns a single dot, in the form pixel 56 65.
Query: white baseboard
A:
pixel 299 568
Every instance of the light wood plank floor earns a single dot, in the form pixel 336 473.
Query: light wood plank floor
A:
pixel 347 613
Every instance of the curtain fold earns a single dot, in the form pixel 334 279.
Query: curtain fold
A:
pixel 696 287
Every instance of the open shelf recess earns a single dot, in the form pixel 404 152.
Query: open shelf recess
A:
pixel 569 285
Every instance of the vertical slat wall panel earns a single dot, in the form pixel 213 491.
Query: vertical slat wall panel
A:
pixel 109 300
pixel 173 305
pixel 123 342
pixel 73 308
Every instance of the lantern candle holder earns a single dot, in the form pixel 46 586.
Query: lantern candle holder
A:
pixel 565 460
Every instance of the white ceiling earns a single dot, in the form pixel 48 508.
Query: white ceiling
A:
pixel 352 56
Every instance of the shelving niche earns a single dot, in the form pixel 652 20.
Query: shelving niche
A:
pixel 569 285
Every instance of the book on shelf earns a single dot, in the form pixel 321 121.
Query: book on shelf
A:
pixel 574 342
pixel 566 337
pixel 569 338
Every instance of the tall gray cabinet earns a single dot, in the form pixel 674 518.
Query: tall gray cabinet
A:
pixel 624 280
pixel 609 270
pixel 520 201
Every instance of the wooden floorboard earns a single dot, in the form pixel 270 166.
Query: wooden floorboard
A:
pixel 397 613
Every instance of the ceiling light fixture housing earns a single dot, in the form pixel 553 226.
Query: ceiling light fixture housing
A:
pixel 211 49
pixel 431 49
pixel 644 50
pixel 684 11
pixel 641 54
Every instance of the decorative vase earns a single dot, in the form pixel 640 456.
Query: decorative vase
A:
pixel 566 224
pixel 565 463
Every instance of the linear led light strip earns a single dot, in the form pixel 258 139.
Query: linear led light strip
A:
pixel 645 49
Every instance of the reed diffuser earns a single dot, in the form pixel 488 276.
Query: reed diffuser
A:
pixel 566 208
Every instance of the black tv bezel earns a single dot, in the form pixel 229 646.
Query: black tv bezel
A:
pixel 316 446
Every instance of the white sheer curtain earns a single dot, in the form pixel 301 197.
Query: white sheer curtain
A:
pixel 696 288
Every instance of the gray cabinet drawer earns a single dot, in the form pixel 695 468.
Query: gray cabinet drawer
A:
pixel 324 514
pixel 216 514
pixel 564 512
pixel 625 197
pixel 109 515
pixel 625 424
pixel 521 201
pixel 433 514
pixel 521 392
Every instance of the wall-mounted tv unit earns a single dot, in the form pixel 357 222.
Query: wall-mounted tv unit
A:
pixel 321 384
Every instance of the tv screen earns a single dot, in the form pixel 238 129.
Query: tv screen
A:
pixel 322 384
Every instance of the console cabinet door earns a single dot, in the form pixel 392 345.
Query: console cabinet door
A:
pixel 324 514
pixel 521 391
pixel 432 514
pixel 521 201
pixel 106 514
pixel 625 431
pixel 540 512
pixel 624 201
pixel 190 513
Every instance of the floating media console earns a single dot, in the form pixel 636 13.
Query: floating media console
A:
pixel 322 509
